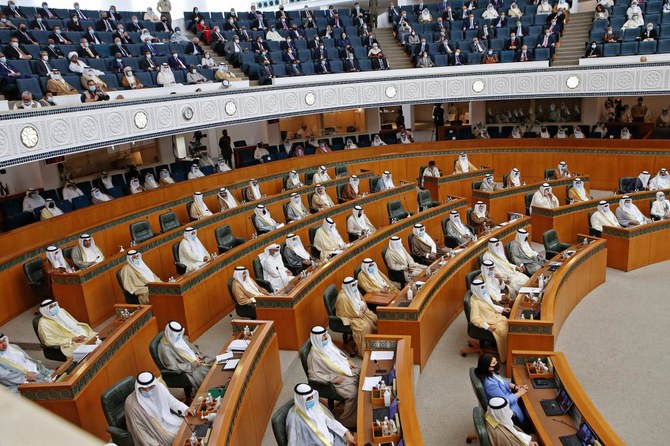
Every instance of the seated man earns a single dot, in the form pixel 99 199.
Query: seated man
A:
pixel 309 422
pixel 150 182
pixel 296 210
pixel 489 316
pixel 377 142
pixel 660 181
pixel 514 178
pixel 50 210
pixel 562 171
pixel 544 198
pixel 178 354
pixel 328 241
pixel 165 178
pixel 321 175
pixel 578 193
pixel 385 182
pixel 55 264
pixel 431 170
pixel 513 275
pixel 500 426
pixel 252 192
pixel 274 270
pixel 639 183
pixel 199 209
pixel 97 196
pixel 628 214
pixel 495 284
pixel 358 224
pixel 195 172
pixel 16 367
pixel 523 254
pixel 293 180
pixel 135 275
pixel 481 219
pixel 660 208
pixel 350 190
pixel 497 386
pixel 456 229
pixel 264 221
pixel 296 255
pixel 135 186
pixel 321 200
pixel 488 185
pixel 423 246
pixel 86 253
pixel 130 81
pixel 374 281
pixel 327 363
pixel 32 200
pixel 56 328
pixel 246 290
pixel 153 415
pixel 603 217
pixel 71 190
pixel 354 312
pixel 463 165
pixel 192 253
pixel 398 259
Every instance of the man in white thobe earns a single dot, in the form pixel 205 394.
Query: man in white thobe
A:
pixel 17 368
pixel 192 253
pixel 86 253
pixel 603 217
pixel 660 181
pixel 321 175
pixel 628 214
pixel 274 270
pixel 328 241
pixel 512 274
pixel 358 224
pixel 660 208
pixel 544 198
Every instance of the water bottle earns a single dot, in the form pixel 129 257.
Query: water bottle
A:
pixel 386 431
pixel 387 397
pixel 247 332
pixel 410 294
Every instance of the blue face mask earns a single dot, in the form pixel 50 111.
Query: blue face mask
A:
pixel 53 311
pixel 3 59
pixel 178 338
pixel 325 343
pixel 310 404
pixel 148 394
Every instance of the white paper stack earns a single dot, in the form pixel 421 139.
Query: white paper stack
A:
pixel 238 345
pixel 224 357
pixel 370 382
pixel 382 355
pixel 83 351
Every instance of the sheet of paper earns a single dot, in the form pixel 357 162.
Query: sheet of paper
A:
pixel 239 345
pixel 382 355
pixel 224 357
pixel 231 364
pixel 529 290
pixel 370 382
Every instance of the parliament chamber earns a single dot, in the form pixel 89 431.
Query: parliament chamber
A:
pixel 251 338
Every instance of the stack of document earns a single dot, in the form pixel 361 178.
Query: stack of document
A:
pixel 238 345
pixel 83 351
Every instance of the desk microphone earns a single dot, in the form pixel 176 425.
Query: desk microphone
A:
pixel 406 207
pixel 563 422
pixel 379 370
pixel 181 415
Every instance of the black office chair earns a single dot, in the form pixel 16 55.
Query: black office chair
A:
pixel 335 323
pixel 309 178
pixel 140 231
pixel 528 199
pixel 339 188
pixel 549 173
pixel 175 379
pixel 113 401
pixel 168 221
pixel 478 388
pixel 480 427
pixel 396 211
pixel 624 184
pixel 480 336
pixel 225 240
pixel 258 268
pixel 53 353
pixel 593 232
pixel 131 299
pixel 468 216
pixel 425 201
pixel 279 423
pixel 373 183
pixel 552 246
pixel 181 268
pixel 188 211
pixel 567 193
pixel 341 171
pixel 505 179
pixel 469 277
pixel 325 389
pixel 32 269
pixel 244 311
pixel 312 233
pixel 393 275
pixel 449 241
pixel 476 184
pixel 419 180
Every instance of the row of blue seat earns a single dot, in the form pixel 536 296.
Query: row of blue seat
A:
pixel 242 15
pixel 75 36
pixel 634 48
pixel 628 35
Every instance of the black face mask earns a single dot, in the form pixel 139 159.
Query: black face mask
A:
pixel 496 368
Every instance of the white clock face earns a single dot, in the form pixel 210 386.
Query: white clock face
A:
pixel 390 91
pixel 141 120
pixel 572 82
pixel 478 86
pixel 231 108
pixel 310 98
pixel 29 136
pixel 187 113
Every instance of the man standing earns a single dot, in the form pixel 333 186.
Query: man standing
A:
pixel 225 147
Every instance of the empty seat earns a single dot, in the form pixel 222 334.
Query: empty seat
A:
pixel 168 221
pixel 140 231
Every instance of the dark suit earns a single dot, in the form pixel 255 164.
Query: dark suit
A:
pixel 529 56
pixel 419 49
pixel 448 48
pixel 92 38
pixel 125 52
pixel 13 54
pixel 369 41
pixel 13 13
pixel 257 48
pixel 40 68
pixel 457 58
pixel 258 24
pixel 79 14
pixel 125 40
pixel 485 33
pixel 231 27
pixel 72 26
pixel 286 45
pixel 25 37
pixel 266 74
pixel 116 67
pixel 175 63
pixel 152 49
pixel 217 41
pixel 43 12
pixel 444 26
pixel 645 34
pixel 164 27
pixel 44 26
pixel 286 57
pixel 351 65
pixel 320 53
pixel 468 25
pixel 82 52
pixel 148 64
pixel 61 38
pixel 551 43
pixel 104 25
pixel 297 34
pixel 523 33
pixel 320 68
pixel 479 48
pixel 499 22
pixel 191 49
pixel 335 22
pixel 592 52
pixel 133 27
pixel 513 44
pixel 54 53
pixel 419 8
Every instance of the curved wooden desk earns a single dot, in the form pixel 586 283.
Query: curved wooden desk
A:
pixel 604 163
pixel 581 273
pixel 573 219
pixel 123 352
pixel 455 185
pixel 512 199
pixel 403 364
pixel 550 428
pixel 251 390
pixel 440 300
pixel 638 246
pixel 89 294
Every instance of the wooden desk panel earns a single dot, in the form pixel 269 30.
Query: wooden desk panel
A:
pixel 456 185
pixel 251 393
pixel 550 428
pixel 402 361
pixel 440 300
pixel 123 353
pixel 569 284
pixel 632 248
